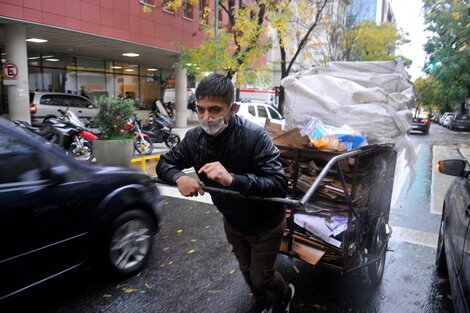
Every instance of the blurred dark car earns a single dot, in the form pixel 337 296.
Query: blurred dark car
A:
pixel 460 122
pixel 453 248
pixel 421 123
pixel 58 214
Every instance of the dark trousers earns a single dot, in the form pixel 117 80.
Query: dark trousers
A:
pixel 256 255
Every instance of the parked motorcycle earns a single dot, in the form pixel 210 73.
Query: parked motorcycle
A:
pixel 142 141
pixel 160 128
pixel 68 132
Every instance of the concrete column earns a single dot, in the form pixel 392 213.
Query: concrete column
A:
pixel 181 98
pixel 17 90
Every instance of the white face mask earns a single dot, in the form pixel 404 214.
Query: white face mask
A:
pixel 215 126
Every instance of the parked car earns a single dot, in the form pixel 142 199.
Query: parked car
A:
pixel 442 118
pixel 258 112
pixel 453 248
pixel 44 105
pixel 421 123
pixel 460 122
pixel 58 214
pixel 447 119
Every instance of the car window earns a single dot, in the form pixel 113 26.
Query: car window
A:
pixel 251 110
pixel 18 162
pixel 80 103
pixel 274 114
pixel 262 112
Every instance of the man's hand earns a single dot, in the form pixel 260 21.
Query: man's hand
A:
pixel 217 172
pixel 189 186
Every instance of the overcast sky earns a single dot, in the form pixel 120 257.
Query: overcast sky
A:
pixel 410 18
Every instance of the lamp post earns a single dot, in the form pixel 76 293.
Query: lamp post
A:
pixel 216 30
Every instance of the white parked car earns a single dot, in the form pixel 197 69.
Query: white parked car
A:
pixel 44 105
pixel 258 112
pixel 448 119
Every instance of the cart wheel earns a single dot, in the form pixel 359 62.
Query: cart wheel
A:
pixel 378 243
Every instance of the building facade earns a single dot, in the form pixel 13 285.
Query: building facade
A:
pixel 323 43
pixel 93 48
pixel 377 11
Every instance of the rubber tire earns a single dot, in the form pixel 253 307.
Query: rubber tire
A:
pixel 172 140
pixel 143 248
pixel 86 144
pixel 377 243
pixel 148 148
pixel 441 263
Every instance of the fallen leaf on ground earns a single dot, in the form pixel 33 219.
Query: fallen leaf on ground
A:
pixel 191 251
pixel 129 290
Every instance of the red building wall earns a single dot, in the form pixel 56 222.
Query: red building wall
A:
pixel 120 19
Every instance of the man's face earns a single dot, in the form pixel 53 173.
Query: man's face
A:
pixel 213 108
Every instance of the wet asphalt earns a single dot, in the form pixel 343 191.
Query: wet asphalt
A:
pixel 192 268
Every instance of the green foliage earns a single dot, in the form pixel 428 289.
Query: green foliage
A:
pixel 113 114
pixel 367 41
pixel 431 94
pixel 240 43
pixel 448 47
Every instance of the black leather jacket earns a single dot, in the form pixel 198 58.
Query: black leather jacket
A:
pixel 247 152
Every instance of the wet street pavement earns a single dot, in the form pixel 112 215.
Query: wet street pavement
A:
pixel 192 268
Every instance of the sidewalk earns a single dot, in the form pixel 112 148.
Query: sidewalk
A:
pixel 159 148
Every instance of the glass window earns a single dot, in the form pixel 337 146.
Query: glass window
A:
pixel 58 61
pixel 150 90
pixel 18 162
pixel 91 85
pixel 87 64
pixel 35 79
pixel 274 114
pixel 251 110
pixel 165 6
pixel 148 2
pixel 262 111
pixel 54 79
pixel 187 9
pixel 34 59
pixel 79 102
pixel 204 12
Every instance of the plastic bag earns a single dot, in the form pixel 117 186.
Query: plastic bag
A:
pixel 327 137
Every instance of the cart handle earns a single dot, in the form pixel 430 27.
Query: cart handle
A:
pixel 233 193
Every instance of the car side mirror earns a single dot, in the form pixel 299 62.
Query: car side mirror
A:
pixel 57 174
pixel 453 167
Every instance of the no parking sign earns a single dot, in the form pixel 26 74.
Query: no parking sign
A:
pixel 10 73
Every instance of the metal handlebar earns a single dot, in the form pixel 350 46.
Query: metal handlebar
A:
pixel 234 193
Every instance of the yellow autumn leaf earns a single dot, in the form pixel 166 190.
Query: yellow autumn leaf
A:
pixel 129 290
pixel 233 271
pixel 191 251
pixel 193 240
pixel 171 262
pixel 179 231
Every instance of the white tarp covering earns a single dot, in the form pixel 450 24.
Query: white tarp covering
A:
pixel 373 98
pixel 370 97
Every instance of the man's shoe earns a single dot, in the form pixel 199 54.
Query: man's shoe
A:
pixel 260 307
pixel 283 306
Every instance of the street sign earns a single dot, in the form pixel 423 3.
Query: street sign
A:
pixel 10 73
